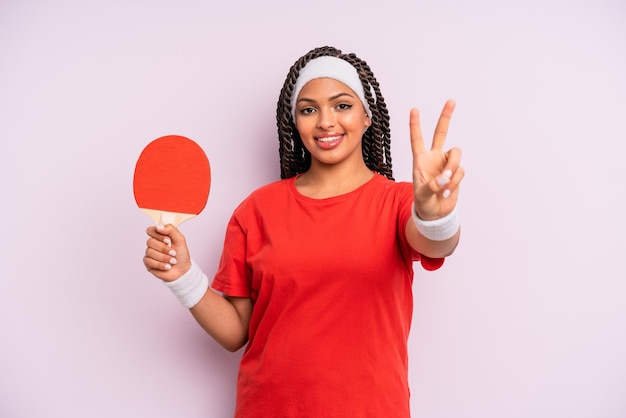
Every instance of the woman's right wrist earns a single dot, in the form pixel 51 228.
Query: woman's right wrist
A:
pixel 189 288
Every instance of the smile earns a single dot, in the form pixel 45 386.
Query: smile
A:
pixel 328 142
pixel 329 138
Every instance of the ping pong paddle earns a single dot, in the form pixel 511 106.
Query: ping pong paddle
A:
pixel 172 180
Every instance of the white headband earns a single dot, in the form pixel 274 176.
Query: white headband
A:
pixel 335 68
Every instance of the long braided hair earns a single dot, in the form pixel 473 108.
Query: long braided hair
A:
pixel 295 158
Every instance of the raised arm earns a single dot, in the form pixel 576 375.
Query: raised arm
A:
pixel 225 318
pixel 436 178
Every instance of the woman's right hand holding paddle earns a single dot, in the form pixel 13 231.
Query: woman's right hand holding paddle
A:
pixel 225 318
pixel 167 256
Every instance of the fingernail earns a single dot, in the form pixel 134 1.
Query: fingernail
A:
pixel 167 241
pixel 443 180
pixel 446 193
pixel 172 253
pixel 168 267
pixel 172 260
pixel 447 173
pixel 160 227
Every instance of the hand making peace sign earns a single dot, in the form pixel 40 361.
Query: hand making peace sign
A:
pixel 436 173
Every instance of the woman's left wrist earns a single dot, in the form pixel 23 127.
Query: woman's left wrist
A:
pixel 440 229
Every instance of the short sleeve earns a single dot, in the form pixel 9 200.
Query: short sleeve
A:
pixel 431 264
pixel 406 207
pixel 233 275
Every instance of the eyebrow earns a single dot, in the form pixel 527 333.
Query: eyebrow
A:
pixel 330 99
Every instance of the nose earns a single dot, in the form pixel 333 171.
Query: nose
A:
pixel 325 119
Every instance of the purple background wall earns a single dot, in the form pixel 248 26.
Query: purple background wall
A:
pixel 528 317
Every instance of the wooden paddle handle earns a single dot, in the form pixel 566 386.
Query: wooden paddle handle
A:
pixel 161 217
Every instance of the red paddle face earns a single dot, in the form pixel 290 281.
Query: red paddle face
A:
pixel 172 179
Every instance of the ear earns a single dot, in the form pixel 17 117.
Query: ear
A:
pixel 368 122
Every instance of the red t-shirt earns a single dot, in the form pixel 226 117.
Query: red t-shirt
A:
pixel 330 280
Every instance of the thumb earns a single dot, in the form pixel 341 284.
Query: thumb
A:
pixel 176 240
pixel 428 190
pixel 171 233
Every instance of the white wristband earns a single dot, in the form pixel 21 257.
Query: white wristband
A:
pixel 439 229
pixel 190 287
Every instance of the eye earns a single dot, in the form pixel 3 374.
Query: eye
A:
pixel 344 106
pixel 307 110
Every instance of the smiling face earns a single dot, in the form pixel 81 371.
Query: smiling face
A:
pixel 331 120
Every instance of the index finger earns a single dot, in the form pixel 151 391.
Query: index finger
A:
pixel 415 127
pixel 441 131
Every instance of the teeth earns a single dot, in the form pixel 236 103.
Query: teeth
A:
pixel 329 139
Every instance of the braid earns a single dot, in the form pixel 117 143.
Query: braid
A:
pixel 294 157
pixel 377 139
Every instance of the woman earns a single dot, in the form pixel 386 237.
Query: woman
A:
pixel 316 270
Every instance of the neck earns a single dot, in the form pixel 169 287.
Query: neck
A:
pixel 322 181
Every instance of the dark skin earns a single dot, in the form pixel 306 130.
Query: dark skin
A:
pixel 436 178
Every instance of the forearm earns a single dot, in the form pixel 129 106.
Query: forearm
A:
pixel 225 318
pixel 220 318
pixel 430 247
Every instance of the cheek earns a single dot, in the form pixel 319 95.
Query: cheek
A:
pixel 360 123
pixel 303 127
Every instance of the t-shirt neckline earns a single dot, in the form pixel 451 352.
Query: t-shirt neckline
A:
pixel 294 189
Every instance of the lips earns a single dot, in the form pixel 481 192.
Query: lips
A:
pixel 329 141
